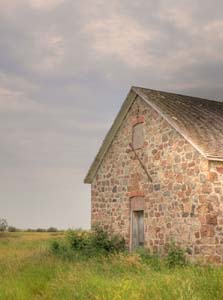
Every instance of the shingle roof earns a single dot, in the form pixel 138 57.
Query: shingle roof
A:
pixel 199 121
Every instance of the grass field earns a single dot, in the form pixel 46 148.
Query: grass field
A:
pixel 28 271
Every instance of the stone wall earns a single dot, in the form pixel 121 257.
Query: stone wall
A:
pixel 182 203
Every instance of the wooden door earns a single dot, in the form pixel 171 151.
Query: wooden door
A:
pixel 137 229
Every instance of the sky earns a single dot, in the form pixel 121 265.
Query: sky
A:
pixel 66 67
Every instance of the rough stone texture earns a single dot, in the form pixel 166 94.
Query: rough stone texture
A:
pixel 183 203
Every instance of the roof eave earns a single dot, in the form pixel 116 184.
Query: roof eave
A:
pixel 110 136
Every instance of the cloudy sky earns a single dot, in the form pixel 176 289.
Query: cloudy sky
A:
pixel 65 68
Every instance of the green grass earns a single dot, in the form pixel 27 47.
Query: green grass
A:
pixel 28 272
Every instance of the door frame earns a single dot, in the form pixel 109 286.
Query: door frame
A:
pixel 137 203
pixel 143 213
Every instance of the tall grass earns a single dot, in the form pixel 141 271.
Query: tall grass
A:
pixel 29 272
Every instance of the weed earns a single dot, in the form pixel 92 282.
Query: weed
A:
pixel 175 256
pixel 28 271
pixel 154 260
pixel 88 243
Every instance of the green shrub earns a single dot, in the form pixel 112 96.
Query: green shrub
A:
pixel 110 243
pixel 175 256
pixel 61 248
pixel 150 259
pixel 117 243
pixel 52 229
pixel 55 247
pixel 12 229
pixel 40 230
pixel 88 243
pixel 79 240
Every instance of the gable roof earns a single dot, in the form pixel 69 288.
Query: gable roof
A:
pixel 199 121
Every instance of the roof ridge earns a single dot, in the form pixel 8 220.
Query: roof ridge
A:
pixel 177 94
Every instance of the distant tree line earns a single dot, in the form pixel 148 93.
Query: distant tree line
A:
pixel 50 229
pixel 5 227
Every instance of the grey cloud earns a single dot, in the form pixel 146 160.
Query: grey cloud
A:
pixel 65 68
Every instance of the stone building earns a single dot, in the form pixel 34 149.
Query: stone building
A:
pixel 158 175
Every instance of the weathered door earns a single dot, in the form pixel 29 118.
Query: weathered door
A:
pixel 137 229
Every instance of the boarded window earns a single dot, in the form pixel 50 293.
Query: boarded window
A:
pixel 138 136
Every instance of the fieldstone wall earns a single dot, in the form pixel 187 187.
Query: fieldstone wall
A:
pixel 184 201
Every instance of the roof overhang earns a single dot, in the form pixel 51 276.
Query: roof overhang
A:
pixel 132 95
pixel 110 135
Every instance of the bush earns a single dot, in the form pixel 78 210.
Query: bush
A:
pixel 97 240
pixel 153 260
pixel 40 230
pixel 55 247
pixel 175 256
pixel 52 229
pixel 102 241
pixel 79 239
pixel 88 243
pixel 12 229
